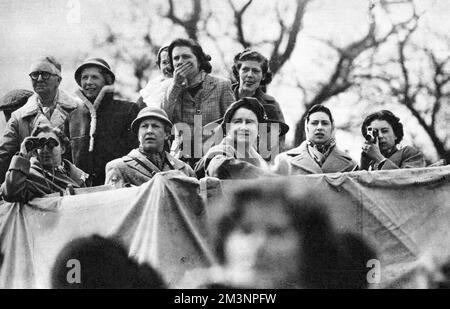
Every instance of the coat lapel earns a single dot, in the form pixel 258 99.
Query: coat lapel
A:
pixel 138 167
pixel 336 162
pixel 208 87
pixel 302 160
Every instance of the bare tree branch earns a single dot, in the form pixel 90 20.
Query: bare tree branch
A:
pixel 238 21
pixel 189 24
pixel 278 56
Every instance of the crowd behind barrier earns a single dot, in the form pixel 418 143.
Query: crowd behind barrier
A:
pixel 187 119
pixel 403 214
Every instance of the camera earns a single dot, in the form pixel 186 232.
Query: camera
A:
pixel 371 135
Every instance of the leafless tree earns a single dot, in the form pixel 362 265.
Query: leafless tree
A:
pixel 343 76
pixel 426 96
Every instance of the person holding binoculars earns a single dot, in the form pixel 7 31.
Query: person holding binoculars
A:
pixel 383 132
pixel 38 169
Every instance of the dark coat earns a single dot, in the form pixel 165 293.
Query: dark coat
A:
pixel 26 180
pixel 298 161
pixel 126 171
pixel 112 139
pixel 264 99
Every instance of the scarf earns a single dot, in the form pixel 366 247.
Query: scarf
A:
pixel 158 158
pixel 47 111
pixel 93 107
pixel 320 152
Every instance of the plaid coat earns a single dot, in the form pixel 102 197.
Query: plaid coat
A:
pixel 209 103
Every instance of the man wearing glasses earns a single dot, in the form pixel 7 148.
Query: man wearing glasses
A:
pixel 49 105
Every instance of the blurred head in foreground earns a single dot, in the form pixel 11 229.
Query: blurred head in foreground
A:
pixel 269 239
pixel 103 264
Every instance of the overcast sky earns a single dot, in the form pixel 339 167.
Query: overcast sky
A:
pixel 29 28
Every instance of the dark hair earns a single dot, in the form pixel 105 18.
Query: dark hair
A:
pixel 63 140
pixel 249 55
pixel 388 116
pixel 318 242
pixel 202 58
pixel 319 108
pixel 160 51
pixel 104 263
pixel 356 253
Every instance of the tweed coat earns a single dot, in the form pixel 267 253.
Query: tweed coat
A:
pixel 210 103
pixel 298 161
pixel 404 157
pixel 126 171
pixel 25 119
pixel 26 180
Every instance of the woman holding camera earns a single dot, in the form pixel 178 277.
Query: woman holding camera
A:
pixel 38 169
pixel 383 132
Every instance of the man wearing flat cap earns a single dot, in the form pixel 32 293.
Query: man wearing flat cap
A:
pixel 48 105
pixel 153 129
pixel 103 133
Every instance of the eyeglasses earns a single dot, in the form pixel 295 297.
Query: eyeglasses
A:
pixel 45 75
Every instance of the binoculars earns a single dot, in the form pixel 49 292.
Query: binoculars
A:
pixel 36 143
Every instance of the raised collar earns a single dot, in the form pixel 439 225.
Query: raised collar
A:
pixel 176 164
pixel 31 108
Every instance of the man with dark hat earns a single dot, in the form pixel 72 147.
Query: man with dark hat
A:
pixel 13 100
pixel 49 105
pixel 103 133
pixel 153 129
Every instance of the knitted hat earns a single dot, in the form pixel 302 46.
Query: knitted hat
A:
pixel 150 112
pixel 97 62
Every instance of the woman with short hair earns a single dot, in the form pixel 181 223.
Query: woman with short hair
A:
pixel 193 93
pixel 39 168
pixel 381 151
pixel 252 73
